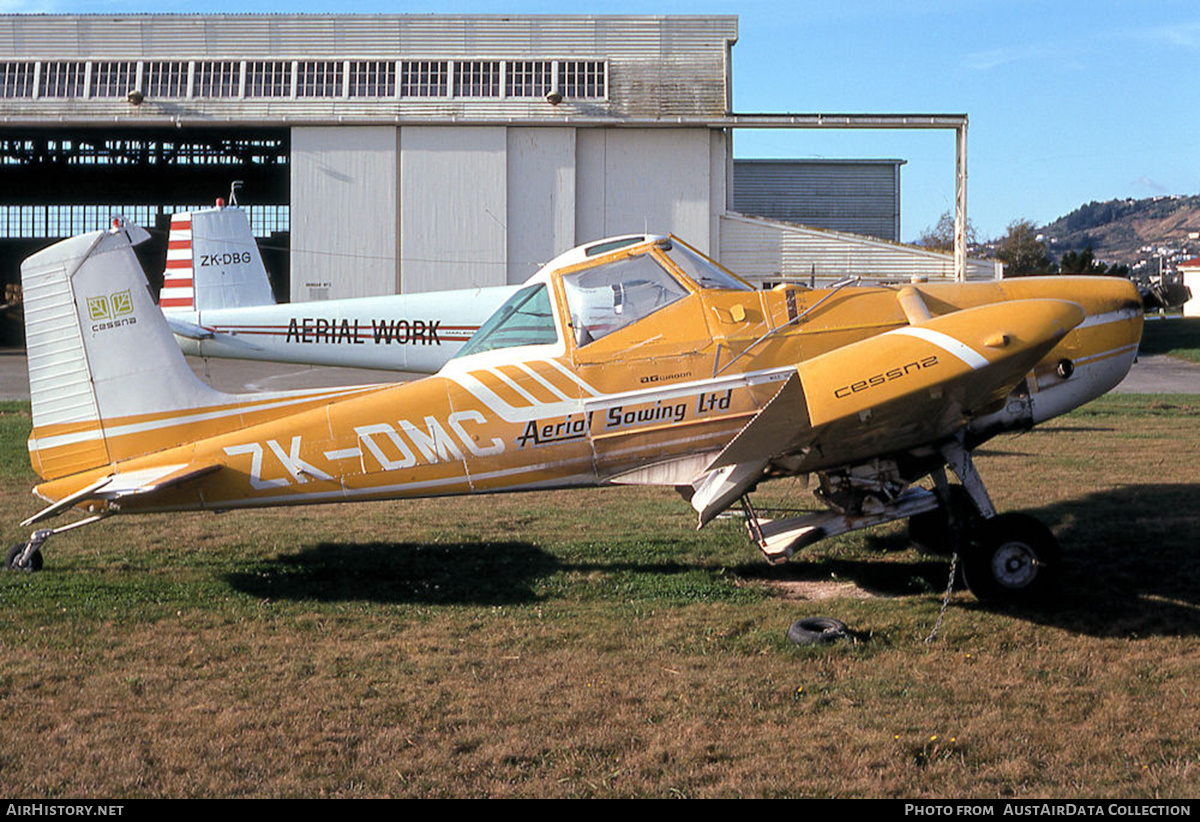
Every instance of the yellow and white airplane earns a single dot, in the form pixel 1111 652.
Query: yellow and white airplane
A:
pixel 633 360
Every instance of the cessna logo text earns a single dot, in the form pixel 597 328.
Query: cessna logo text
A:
pixel 886 377
pixel 111 310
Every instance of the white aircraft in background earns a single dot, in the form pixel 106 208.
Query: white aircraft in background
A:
pixel 218 303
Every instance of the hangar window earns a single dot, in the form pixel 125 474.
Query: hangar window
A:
pixel 63 79
pixel 22 221
pixel 16 79
pixel 582 79
pixel 218 78
pixel 269 78
pixel 113 79
pixel 319 78
pixel 423 78
pixel 373 78
pixel 165 78
pixel 477 78
pixel 529 78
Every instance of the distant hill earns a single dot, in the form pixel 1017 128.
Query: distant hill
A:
pixel 1125 231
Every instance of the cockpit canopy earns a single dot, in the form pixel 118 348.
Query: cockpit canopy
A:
pixel 605 286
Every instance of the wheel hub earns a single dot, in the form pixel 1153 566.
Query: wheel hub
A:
pixel 1014 565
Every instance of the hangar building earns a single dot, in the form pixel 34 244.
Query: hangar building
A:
pixel 390 153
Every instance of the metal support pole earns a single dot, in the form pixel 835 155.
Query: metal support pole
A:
pixel 960 202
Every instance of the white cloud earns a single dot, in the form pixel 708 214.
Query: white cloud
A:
pixel 992 58
pixel 1146 184
pixel 1183 35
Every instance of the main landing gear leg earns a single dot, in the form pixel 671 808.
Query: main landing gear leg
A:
pixel 1010 558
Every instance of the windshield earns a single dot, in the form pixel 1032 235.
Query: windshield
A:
pixel 612 296
pixel 704 271
pixel 525 319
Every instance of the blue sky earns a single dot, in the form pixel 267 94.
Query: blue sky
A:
pixel 1068 101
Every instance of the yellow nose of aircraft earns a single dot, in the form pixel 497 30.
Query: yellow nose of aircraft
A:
pixel 1097 354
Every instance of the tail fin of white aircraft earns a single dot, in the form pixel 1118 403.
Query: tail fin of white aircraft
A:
pixel 104 371
pixel 213 262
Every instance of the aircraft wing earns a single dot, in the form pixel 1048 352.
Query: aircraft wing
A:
pixel 914 385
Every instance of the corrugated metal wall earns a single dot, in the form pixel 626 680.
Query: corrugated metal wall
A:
pixel 343 213
pixel 857 196
pixel 541 198
pixel 638 180
pixel 453 203
pixel 484 205
pixel 763 250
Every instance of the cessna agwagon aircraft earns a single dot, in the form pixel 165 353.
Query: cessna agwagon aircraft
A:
pixel 633 360
pixel 218 302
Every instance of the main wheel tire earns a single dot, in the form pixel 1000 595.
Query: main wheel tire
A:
pixel 817 630
pixel 10 559
pixel 1015 559
pixel 930 531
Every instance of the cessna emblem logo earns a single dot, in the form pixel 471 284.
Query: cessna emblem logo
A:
pixel 111 310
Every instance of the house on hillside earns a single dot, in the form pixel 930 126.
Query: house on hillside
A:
pixel 1190 271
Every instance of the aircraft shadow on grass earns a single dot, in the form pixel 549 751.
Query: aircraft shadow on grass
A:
pixel 1130 564
pixel 478 573
pixel 1130 568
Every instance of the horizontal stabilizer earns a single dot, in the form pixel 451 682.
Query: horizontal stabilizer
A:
pixel 123 485
pixel 87 492
pixel 183 328
pixel 151 480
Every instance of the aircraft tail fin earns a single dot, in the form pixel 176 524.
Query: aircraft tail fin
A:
pixel 106 378
pixel 213 262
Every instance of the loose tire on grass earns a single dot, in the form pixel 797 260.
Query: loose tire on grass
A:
pixel 1015 559
pixel 817 631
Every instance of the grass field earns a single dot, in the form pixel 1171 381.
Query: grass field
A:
pixel 1177 336
pixel 593 643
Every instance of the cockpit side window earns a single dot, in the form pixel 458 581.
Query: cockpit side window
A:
pixel 525 319
pixel 706 273
pixel 609 297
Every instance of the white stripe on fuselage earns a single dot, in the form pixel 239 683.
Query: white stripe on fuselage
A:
pixel 201 415
pixel 949 344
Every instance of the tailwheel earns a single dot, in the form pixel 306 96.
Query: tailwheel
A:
pixel 1014 558
pixel 17 560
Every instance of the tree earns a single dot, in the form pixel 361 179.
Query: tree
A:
pixel 1085 262
pixel 1022 252
pixel 940 237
